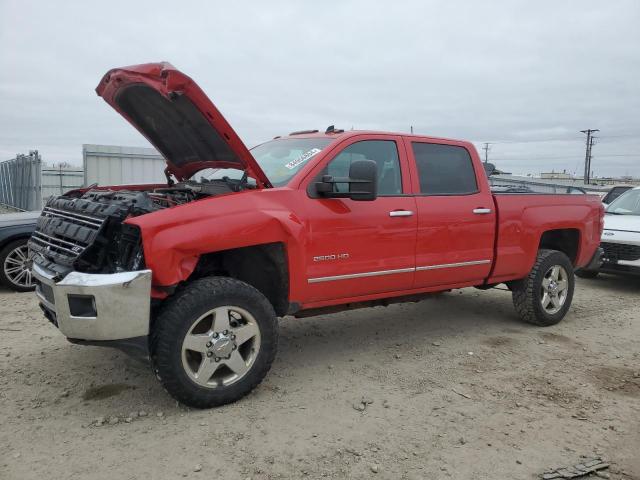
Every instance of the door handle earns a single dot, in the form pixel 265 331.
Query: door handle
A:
pixel 400 213
pixel 481 211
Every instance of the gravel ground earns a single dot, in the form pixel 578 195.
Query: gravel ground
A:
pixel 453 387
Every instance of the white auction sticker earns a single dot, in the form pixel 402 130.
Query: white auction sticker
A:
pixel 302 158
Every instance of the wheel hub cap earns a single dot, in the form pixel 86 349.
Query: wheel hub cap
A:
pixel 222 346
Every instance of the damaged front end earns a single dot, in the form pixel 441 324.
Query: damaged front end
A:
pixel 89 264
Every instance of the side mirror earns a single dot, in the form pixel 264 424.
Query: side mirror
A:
pixel 362 180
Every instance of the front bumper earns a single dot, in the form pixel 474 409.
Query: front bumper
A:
pixel 96 306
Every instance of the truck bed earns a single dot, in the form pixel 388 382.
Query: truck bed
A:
pixel 521 219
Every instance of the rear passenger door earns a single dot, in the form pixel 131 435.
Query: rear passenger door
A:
pixel 456 217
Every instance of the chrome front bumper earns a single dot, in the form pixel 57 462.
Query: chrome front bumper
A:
pixel 96 306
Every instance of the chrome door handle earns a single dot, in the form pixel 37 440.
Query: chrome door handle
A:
pixel 481 211
pixel 400 213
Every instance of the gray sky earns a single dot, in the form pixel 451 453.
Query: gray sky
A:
pixel 525 75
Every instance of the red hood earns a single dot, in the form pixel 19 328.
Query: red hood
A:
pixel 176 116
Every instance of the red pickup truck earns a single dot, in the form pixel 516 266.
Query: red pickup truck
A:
pixel 197 270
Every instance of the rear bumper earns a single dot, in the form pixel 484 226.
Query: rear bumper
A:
pixel 96 306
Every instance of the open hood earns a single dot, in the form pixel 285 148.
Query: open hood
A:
pixel 176 116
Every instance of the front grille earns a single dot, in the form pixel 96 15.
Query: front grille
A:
pixel 61 236
pixel 620 251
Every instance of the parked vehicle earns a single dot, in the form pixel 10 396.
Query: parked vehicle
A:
pixel 614 193
pixel 197 270
pixel 15 230
pixel 620 237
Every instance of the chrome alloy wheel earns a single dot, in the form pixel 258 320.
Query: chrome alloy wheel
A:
pixel 554 289
pixel 17 267
pixel 221 347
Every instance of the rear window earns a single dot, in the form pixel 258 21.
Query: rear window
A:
pixel 444 169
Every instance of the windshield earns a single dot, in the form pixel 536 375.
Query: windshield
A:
pixel 279 159
pixel 626 204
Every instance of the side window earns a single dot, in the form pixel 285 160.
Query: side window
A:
pixel 444 169
pixel 383 152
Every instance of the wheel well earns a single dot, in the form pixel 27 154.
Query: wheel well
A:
pixel 262 266
pixel 565 240
pixel 6 241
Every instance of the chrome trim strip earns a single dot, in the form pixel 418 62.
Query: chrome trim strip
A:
pixel 360 275
pixel 49 244
pixel 399 270
pixel 53 239
pixel 453 265
pixel 92 221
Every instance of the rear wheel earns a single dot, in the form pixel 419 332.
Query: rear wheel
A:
pixel 544 297
pixel 15 263
pixel 214 342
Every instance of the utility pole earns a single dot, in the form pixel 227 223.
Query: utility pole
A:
pixel 587 156
pixel 486 149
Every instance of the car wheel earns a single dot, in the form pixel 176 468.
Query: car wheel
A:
pixel 15 261
pixel 544 297
pixel 213 342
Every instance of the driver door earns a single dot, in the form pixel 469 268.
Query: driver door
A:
pixel 360 248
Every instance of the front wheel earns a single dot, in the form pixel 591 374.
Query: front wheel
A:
pixel 214 342
pixel 544 296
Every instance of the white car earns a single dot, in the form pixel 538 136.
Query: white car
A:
pixel 620 238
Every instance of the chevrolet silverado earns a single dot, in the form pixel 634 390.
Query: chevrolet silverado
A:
pixel 197 270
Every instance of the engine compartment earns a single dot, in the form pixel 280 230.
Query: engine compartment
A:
pixel 84 230
pixel 140 202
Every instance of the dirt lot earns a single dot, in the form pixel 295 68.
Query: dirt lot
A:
pixel 458 388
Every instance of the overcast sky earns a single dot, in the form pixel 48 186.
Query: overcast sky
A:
pixel 527 76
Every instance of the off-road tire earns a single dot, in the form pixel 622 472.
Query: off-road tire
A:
pixel 4 280
pixel 586 273
pixel 526 292
pixel 176 317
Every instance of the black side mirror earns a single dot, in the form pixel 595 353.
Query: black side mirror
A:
pixel 362 180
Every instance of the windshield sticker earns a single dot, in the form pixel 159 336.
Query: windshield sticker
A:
pixel 302 158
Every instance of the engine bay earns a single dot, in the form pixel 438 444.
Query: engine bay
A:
pixel 140 202
pixel 85 229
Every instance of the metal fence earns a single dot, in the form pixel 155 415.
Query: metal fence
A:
pixel 20 182
pixel 115 165
pixel 25 184
pixel 56 181
pixel 542 186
